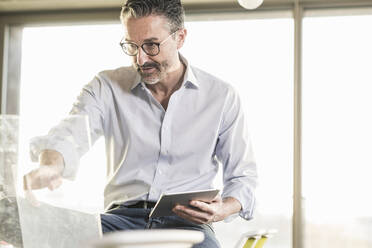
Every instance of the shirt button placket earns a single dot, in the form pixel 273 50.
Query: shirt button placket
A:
pixel 164 148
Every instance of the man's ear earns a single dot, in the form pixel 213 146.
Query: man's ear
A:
pixel 181 36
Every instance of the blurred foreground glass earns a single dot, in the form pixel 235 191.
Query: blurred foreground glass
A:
pixel 10 230
pixel 22 224
pixel 150 238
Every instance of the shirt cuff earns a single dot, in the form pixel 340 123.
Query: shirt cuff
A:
pixel 246 199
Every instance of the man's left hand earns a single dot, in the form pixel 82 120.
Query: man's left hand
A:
pixel 202 212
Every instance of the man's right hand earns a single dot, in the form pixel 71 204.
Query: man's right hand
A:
pixel 48 175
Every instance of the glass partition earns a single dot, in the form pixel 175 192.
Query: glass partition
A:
pixel 10 229
pixel 29 226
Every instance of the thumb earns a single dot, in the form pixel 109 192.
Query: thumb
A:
pixel 217 198
pixel 28 192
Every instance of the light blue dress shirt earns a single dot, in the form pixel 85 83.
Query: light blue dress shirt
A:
pixel 151 150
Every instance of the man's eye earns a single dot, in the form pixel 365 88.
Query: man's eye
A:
pixel 131 46
pixel 150 45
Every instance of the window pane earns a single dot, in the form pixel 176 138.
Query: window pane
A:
pixel 337 134
pixel 256 56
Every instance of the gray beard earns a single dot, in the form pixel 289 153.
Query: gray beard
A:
pixel 155 77
pixel 150 79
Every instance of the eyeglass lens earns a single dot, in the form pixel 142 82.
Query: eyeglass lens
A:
pixel 149 48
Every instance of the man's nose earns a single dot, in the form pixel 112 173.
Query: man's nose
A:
pixel 142 57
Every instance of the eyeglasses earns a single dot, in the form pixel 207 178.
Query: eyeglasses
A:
pixel 150 48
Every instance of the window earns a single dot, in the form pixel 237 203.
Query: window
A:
pixel 256 57
pixel 337 135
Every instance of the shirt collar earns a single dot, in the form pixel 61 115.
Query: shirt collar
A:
pixel 136 81
pixel 189 78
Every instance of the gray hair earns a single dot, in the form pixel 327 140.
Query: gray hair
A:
pixel 171 9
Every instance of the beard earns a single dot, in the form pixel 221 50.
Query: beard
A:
pixel 152 72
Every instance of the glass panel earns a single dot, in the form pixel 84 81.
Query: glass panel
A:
pixel 10 228
pixel 337 134
pixel 25 225
pixel 256 57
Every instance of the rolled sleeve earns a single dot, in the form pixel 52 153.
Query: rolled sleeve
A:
pixel 75 134
pixel 244 195
pixel 234 151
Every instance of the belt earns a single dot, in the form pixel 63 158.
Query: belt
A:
pixel 142 204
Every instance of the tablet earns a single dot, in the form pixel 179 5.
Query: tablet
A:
pixel 166 202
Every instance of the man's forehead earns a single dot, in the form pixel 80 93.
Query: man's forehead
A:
pixel 146 28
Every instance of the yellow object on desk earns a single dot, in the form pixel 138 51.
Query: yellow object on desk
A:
pixel 255 239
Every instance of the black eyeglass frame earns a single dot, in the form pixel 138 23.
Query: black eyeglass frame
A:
pixel 122 45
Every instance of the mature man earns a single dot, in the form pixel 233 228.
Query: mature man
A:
pixel 167 127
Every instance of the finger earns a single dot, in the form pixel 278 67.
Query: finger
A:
pixel 55 183
pixel 192 213
pixel 32 180
pixel 188 217
pixel 31 198
pixel 28 192
pixel 41 177
pixel 26 185
pixel 218 198
pixel 205 207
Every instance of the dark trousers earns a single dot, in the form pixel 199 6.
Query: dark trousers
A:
pixel 123 218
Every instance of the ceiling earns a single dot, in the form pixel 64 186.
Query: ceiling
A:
pixel 43 5
pixel 22 5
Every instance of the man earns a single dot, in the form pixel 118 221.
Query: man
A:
pixel 167 126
